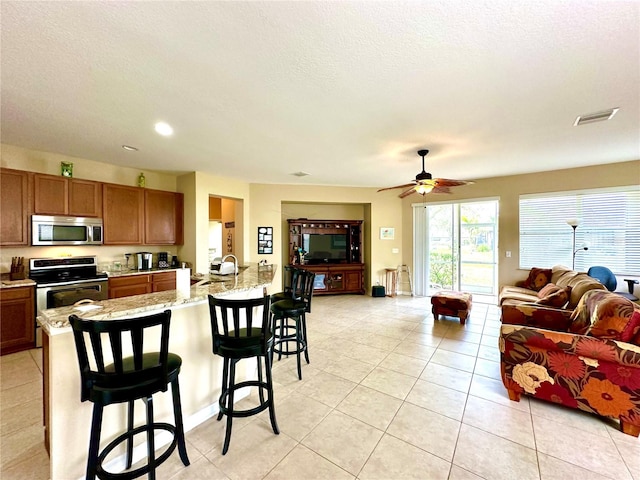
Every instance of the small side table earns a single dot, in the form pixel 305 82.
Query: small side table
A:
pixel 391 281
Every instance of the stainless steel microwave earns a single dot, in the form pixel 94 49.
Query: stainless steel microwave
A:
pixel 48 230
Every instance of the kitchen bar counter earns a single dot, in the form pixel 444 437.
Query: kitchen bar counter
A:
pixel 68 420
pixel 125 272
pixel 56 320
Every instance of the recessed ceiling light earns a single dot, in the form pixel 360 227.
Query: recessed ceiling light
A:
pixel 300 174
pixel 129 148
pixel 164 129
pixel 596 117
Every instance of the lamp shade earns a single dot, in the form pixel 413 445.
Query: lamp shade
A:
pixel 574 222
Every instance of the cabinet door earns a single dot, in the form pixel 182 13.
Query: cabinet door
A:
pixel 14 207
pixel 353 281
pixel 164 281
pixel 85 198
pixel 51 195
pixel 123 214
pixel 336 281
pixel 163 218
pixel 129 285
pixel 18 328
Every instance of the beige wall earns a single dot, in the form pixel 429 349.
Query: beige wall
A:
pixel 273 204
pixel 270 205
pixel 508 189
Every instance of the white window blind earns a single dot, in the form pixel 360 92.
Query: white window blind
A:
pixel 609 227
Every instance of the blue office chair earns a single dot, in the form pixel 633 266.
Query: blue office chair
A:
pixel 608 279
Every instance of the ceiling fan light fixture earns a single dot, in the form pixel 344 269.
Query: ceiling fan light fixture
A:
pixel 423 189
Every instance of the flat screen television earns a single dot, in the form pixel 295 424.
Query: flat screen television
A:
pixel 324 248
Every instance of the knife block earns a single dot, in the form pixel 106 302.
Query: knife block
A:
pixel 17 273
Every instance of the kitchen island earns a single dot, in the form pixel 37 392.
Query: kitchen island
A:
pixel 67 419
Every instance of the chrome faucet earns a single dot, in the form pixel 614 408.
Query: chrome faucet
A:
pixel 235 263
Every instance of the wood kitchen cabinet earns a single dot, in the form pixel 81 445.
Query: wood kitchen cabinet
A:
pixel 123 214
pixel 163 218
pixel 163 281
pixel 129 285
pixel 15 207
pixel 18 328
pixel 138 284
pixel 67 196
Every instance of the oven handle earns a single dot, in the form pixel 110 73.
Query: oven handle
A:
pixel 72 282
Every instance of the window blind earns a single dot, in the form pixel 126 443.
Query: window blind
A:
pixel 609 227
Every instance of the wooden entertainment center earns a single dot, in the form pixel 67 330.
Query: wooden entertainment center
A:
pixel 332 249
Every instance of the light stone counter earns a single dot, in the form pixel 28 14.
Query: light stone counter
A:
pixel 56 320
pixel 68 420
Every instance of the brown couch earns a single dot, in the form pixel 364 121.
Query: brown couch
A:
pixel 527 290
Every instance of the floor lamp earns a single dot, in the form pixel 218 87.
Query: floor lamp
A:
pixel 573 223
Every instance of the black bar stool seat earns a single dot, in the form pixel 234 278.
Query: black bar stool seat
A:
pixel 126 379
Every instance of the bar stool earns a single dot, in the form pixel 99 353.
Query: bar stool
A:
pixel 238 333
pixel 288 279
pixel 293 308
pixel 127 379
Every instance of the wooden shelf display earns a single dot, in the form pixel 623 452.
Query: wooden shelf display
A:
pixel 332 249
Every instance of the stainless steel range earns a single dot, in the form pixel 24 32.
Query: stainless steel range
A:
pixel 65 281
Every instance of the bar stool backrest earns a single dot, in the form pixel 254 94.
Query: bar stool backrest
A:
pixel 127 376
pixel 242 325
pixel 302 288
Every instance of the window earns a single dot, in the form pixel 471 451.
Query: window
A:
pixel 609 227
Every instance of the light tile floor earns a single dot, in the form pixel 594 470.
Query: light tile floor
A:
pixel 389 394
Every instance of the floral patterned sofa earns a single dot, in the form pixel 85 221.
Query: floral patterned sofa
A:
pixel 594 365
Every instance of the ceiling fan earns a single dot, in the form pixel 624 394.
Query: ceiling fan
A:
pixel 425 183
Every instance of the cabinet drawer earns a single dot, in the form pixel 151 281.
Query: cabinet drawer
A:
pixel 164 277
pixel 129 280
pixel 16 293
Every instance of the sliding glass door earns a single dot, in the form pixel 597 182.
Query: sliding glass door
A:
pixel 455 247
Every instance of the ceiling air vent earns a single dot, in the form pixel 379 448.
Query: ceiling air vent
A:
pixel 596 117
pixel 300 174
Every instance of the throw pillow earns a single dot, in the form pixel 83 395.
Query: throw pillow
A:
pixel 538 278
pixel 615 318
pixel 557 299
pixel 548 289
pixel 582 314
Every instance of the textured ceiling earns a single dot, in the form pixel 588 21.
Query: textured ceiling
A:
pixel 346 91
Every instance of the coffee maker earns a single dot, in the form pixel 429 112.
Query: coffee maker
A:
pixel 144 260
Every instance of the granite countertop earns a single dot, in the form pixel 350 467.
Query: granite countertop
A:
pixel 56 320
pixel 126 272
pixel 5 282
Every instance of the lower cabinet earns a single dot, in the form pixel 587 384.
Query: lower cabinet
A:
pixel 339 278
pixel 17 311
pixel 163 281
pixel 139 284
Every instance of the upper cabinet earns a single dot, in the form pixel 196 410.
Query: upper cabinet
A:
pixel 123 214
pixel 137 216
pixel 163 213
pixel 67 196
pixel 14 207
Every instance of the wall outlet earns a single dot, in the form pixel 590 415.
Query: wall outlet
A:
pixel 395 250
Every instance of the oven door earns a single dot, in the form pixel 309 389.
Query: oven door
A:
pixel 63 295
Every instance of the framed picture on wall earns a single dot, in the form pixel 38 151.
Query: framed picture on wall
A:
pixel 265 240
pixel 387 233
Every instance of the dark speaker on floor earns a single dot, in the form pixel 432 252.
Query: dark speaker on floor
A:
pixel 377 291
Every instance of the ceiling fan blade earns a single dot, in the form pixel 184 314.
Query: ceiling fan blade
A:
pixel 440 189
pixel 412 184
pixel 407 192
pixel 446 182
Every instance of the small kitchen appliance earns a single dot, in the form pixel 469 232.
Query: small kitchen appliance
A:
pixel 144 260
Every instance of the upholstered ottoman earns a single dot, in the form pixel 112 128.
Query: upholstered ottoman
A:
pixel 451 303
